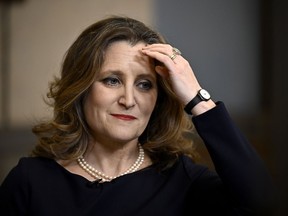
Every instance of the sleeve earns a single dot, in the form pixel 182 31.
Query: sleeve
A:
pixel 14 191
pixel 238 165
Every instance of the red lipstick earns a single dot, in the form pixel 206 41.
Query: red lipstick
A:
pixel 124 117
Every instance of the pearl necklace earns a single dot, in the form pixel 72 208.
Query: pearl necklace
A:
pixel 105 178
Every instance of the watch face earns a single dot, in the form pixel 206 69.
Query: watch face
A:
pixel 204 94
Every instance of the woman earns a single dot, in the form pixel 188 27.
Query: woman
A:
pixel 118 144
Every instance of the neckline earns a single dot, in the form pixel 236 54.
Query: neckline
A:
pixel 63 169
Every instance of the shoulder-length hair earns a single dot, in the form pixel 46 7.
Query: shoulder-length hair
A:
pixel 66 135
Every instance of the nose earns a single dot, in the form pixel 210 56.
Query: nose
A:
pixel 127 98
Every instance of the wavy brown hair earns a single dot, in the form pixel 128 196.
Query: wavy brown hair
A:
pixel 66 135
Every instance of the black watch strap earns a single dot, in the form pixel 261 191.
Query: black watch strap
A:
pixel 202 95
pixel 197 99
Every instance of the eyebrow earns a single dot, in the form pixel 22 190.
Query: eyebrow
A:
pixel 113 72
pixel 147 76
pixel 122 74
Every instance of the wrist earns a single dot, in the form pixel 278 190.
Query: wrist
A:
pixel 201 96
pixel 202 107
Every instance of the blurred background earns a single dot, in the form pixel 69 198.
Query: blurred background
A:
pixel 238 50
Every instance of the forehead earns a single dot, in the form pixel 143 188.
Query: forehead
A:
pixel 123 56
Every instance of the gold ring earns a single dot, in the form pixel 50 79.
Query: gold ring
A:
pixel 173 56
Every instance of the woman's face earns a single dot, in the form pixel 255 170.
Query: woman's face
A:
pixel 123 96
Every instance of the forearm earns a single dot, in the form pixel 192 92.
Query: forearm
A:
pixel 236 162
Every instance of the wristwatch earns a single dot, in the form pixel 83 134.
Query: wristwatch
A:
pixel 202 95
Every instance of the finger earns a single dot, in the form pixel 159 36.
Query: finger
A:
pixel 163 58
pixel 165 49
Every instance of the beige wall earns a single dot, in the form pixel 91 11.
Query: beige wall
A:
pixel 41 32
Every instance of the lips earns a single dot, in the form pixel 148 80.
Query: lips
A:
pixel 124 117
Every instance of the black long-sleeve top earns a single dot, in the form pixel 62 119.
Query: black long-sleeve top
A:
pixel 240 185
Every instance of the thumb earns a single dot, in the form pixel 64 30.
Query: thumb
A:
pixel 162 71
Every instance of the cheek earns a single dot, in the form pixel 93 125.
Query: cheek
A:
pixel 153 103
pixel 93 102
pixel 97 96
pixel 88 112
pixel 149 103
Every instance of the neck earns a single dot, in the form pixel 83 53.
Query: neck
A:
pixel 112 159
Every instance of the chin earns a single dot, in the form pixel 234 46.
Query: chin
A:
pixel 125 138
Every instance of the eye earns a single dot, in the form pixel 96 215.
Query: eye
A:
pixel 111 81
pixel 145 85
